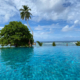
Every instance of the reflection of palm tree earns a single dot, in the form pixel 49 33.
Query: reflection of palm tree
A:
pixel 25 14
pixel 18 58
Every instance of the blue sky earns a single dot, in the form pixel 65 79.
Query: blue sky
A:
pixel 52 20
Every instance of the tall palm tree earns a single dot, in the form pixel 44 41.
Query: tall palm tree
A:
pixel 25 14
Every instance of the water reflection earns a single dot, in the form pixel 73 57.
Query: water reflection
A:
pixel 18 59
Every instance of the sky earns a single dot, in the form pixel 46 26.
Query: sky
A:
pixel 51 20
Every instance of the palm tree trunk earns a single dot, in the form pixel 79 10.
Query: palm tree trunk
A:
pixel 32 33
pixel 30 27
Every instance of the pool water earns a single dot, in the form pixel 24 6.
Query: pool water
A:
pixel 40 63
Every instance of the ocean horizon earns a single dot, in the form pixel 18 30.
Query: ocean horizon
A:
pixel 59 43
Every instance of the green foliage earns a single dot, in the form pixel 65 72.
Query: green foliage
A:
pixel 78 43
pixel 39 43
pixel 53 44
pixel 25 14
pixel 15 33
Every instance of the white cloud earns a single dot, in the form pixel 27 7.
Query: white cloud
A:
pixel 1 28
pixel 25 24
pixel 41 35
pixel 7 10
pixel 56 10
pixel 76 21
pixel 38 28
pixel 47 27
pixel 41 9
pixel 45 32
pixel 67 28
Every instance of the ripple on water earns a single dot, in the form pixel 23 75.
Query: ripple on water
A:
pixel 42 63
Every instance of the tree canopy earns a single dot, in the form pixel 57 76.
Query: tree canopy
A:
pixel 15 33
pixel 25 14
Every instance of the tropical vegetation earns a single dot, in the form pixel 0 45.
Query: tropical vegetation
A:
pixel 78 43
pixel 39 43
pixel 25 14
pixel 53 44
pixel 16 34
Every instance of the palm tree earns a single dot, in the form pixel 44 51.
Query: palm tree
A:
pixel 25 14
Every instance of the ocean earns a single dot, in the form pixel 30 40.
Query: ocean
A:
pixel 59 43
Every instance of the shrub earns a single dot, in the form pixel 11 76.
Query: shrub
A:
pixel 78 43
pixel 53 44
pixel 39 43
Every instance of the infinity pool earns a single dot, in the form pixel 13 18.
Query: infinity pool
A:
pixel 40 63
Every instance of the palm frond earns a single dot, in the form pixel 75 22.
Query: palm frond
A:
pixel 25 7
pixel 29 9
pixel 21 9
pixel 25 14
pixel 22 15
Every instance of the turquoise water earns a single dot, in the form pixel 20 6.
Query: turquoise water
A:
pixel 40 63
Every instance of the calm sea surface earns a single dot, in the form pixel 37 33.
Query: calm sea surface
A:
pixel 40 63
pixel 59 43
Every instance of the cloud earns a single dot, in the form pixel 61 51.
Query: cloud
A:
pixel 67 28
pixel 41 9
pixel 45 31
pixel 43 35
pixel 38 28
pixel 53 11
pixel 47 27
pixel 7 10
pixel 59 9
pixel 25 24
pixel 1 28
pixel 76 21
